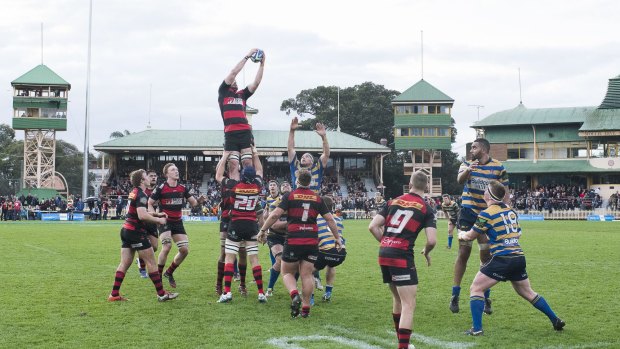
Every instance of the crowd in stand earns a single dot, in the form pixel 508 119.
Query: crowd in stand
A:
pixel 556 197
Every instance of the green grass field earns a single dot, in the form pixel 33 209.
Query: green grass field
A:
pixel 56 278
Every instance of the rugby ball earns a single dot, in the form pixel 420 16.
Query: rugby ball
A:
pixel 257 56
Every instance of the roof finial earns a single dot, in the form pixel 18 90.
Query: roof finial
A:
pixel 520 96
pixel 422 51
pixel 41 43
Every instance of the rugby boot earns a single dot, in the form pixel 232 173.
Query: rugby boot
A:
pixel 120 298
pixel 317 284
pixel 295 306
pixel 558 324
pixel 243 291
pixel 327 297
pixel 171 280
pixel 454 304
pixel 167 296
pixel 143 273
pixel 225 298
pixel 487 306
pixel 312 299
pixel 262 298
pixel 269 292
pixel 472 332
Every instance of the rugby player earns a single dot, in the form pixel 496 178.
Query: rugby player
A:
pixel 301 246
pixel 307 161
pixel 329 256
pixel 243 222
pixel 451 209
pixel 134 238
pixel 397 226
pixel 238 137
pixel 171 196
pixel 151 229
pixel 501 226
pixel 475 175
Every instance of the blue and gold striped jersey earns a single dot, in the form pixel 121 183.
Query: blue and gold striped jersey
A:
pixel 501 225
pixel 317 175
pixel 272 202
pixel 326 239
pixel 473 191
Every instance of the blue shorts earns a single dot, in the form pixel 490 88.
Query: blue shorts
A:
pixel 467 218
pixel 505 268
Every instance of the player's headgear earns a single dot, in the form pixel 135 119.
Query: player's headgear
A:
pixel 248 174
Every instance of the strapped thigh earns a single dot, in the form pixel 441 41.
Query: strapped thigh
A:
pixel 246 156
pixel 182 243
pixel 166 241
pixel 252 250
pixel 231 247
pixel 233 157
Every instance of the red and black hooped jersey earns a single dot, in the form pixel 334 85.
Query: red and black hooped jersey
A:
pixel 137 198
pixel 232 107
pixel 171 199
pixel 244 197
pixel 227 202
pixel 405 217
pixel 303 206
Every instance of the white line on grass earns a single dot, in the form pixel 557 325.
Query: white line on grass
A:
pixel 288 342
pixel 436 342
pixel 349 332
pixel 581 346
pixel 41 248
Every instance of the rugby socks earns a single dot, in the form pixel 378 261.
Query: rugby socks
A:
pixel 404 335
pixel 305 311
pixel 487 293
pixel 456 290
pixel 156 278
pixel 476 304
pixel 160 268
pixel 396 318
pixel 294 293
pixel 273 259
pixel 541 304
pixel 450 237
pixel 258 276
pixel 118 280
pixel 273 277
pixel 220 274
pixel 172 268
pixel 228 275
pixel 328 289
pixel 242 271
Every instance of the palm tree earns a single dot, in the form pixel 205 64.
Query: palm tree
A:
pixel 119 134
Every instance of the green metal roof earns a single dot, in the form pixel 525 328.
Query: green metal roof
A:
pixel 40 75
pixel 422 91
pixel 266 140
pixel 612 98
pixel 550 166
pixel 524 116
pixel 602 120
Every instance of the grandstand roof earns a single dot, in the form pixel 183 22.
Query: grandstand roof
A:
pixel 524 116
pixel 212 140
pixel 607 116
pixel 551 166
pixel 422 91
pixel 40 75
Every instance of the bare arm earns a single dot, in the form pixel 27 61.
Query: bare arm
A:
pixel 258 166
pixel 320 130
pixel 259 76
pixel 291 139
pixel 507 196
pixel 273 217
pixel 376 226
pixel 468 235
pixel 431 241
pixel 465 171
pixel 233 73
pixel 145 216
pixel 151 205
pixel 221 167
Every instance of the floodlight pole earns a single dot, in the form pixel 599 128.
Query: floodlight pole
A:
pixel 86 123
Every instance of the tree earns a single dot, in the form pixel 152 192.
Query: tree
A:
pixel 119 134
pixel 365 110
pixel 11 156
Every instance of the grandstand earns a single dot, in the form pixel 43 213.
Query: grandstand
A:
pixel 196 153
pixel 571 152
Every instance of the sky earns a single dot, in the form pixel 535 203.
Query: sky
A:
pixel 164 60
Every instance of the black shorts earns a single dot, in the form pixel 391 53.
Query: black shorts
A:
pixel 174 227
pixel 399 276
pixel 504 268
pixel 242 230
pixel 453 221
pixel 275 239
pixel 134 240
pixel 467 218
pixel 237 140
pixel 151 229
pixel 330 258
pixel 297 253
pixel 224 223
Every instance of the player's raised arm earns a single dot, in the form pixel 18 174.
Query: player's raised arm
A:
pixel 320 130
pixel 291 139
pixel 221 167
pixel 230 78
pixel 259 76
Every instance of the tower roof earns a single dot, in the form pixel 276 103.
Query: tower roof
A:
pixel 612 98
pixel 422 91
pixel 40 75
